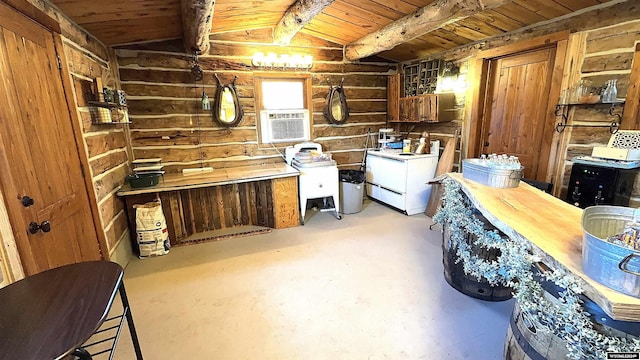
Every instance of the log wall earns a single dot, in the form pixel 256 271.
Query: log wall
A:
pixel 164 100
pixel 105 144
pixel 607 53
pixel 611 33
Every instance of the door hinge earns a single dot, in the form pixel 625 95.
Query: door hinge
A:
pixel 82 169
pixel 59 62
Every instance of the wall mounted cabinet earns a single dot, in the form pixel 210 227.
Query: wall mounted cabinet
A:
pixel 419 108
pixel 426 108
pixel 421 78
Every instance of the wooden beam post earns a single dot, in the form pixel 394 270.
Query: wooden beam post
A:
pixel 196 24
pixel 298 15
pixel 631 117
pixel 426 19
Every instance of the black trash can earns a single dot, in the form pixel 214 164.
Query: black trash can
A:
pixel 351 191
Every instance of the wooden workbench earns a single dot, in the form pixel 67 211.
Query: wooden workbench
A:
pixel 554 229
pixel 265 195
pixel 217 177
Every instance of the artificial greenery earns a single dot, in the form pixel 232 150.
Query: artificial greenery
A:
pixel 564 317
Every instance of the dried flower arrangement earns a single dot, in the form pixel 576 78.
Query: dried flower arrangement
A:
pixel 565 318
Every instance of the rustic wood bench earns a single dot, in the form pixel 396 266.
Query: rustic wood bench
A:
pixel 265 195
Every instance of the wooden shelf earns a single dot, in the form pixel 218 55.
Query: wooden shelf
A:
pixel 613 104
pixel 614 126
pixel 111 123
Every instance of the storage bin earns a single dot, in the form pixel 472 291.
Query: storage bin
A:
pixel 612 265
pixel 498 178
pixel 143 180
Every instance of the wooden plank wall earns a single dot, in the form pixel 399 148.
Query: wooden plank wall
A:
pixel 608 53
pixel 612 33
pixel 105 145
pixel 164 101
pixel 86 58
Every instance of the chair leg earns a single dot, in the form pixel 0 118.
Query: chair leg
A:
pixel 132 328
pixel 81 354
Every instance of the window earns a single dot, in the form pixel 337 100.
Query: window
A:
pixel 282 94
pixel 283 107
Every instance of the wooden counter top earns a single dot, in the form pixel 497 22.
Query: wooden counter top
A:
pixel 554 228
pixel 217 177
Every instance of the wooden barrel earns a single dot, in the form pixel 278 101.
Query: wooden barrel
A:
pixel 526 339
pixel 478 288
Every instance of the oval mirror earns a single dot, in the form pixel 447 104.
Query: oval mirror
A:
pixel 336 109
pixel 227 110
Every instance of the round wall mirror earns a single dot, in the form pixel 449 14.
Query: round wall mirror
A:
pixel 336 109
pixel 227 110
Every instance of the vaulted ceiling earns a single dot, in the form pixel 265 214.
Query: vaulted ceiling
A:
pixel 345 22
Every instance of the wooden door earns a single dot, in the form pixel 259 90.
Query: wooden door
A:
pixel 516 108
pixel 39 157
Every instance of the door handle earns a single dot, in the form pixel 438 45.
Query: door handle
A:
pixel 27 201
pixel 34 227
pixel 486 143
pixel 45 226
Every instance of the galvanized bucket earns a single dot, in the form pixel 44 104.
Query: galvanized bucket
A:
pixel 498 178
pixel 612 265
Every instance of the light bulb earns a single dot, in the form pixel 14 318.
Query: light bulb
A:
pixel 258 59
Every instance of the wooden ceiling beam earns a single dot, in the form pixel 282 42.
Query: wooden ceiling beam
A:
pixel 296 17
pixel 431 17
pixel 196 24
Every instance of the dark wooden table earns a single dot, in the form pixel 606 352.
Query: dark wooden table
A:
pixel 51 314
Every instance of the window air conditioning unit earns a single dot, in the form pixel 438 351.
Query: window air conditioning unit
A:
pixel 284 125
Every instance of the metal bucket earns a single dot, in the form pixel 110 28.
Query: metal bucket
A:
pixel 498 178
pixel 612 265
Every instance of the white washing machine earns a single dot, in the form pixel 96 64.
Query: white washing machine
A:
pixel 318 177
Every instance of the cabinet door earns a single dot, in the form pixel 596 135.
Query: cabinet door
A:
pixel 319 182
pixel 409 109
pixel 393 97
pixel 403 109
pixel 427 108
pixel 388 173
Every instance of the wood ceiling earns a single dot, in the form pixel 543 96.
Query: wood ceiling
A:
pixel 120 22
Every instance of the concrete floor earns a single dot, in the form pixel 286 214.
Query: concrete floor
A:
pixel 369 286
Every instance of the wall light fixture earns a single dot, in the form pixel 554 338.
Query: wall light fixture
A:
pixel 284 61
pixel 452 80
